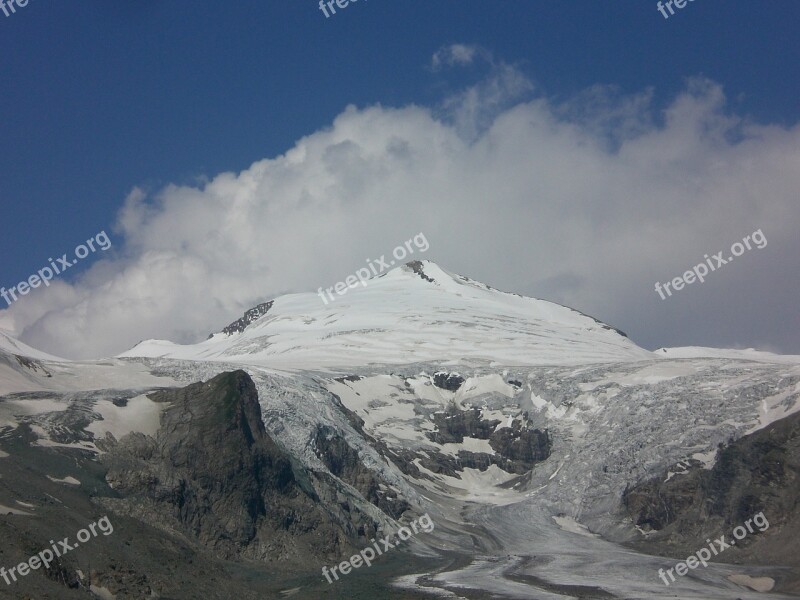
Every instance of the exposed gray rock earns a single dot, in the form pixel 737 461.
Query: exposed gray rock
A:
pixel 447 381
pixel 32 364
pixel 214 474
pixel 454 425
pixel 402 458
pixel 344 462
pixel 251 315
pixel 419 268
pixel 521 445
pixel 757 473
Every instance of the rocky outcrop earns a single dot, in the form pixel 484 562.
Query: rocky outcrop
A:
pixel 402 458
pixel 215 475
pixel 521 445
pixel 453 425
pixel 419 268
pixel 251 315
pixel 447 381
pixel 758 473
pixel 517 448
pixel 32 364
pixel 344 462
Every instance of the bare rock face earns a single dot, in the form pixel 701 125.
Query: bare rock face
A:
pixel 522 447
pixel 447 381
pixel 344 462
pixel 251 315
pixel 214 474
pixel 518 448
pixel 758 473
pixel 453 425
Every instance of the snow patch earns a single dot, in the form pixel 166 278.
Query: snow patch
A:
pixel 7 510
pixel 139 414
pixel 571 525
pixel 759 584
pixel 469 444
pixel 69 480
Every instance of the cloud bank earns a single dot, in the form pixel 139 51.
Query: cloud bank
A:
pixel 587 202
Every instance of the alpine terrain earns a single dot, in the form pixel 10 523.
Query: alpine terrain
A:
pixel 555 458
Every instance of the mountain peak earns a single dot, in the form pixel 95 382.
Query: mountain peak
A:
pixel 417 312
pixel 418 267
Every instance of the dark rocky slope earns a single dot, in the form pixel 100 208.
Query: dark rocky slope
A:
pixel 209 507
pixel 134 561
pixel 214 474
pixel 757 473
pixel 344 462
pixel 250 316
pixel 518 448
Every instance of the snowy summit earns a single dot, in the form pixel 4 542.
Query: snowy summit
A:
pixel 417 312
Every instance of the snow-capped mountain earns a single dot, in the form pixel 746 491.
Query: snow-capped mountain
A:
pixel 14 346
pixel 733 353
pixel 415 313
pixel 537 438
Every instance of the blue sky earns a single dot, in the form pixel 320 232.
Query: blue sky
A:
pixel 101 98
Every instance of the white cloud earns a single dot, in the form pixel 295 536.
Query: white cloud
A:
pixel 475 108
pixel 458 55
pixel 588 202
